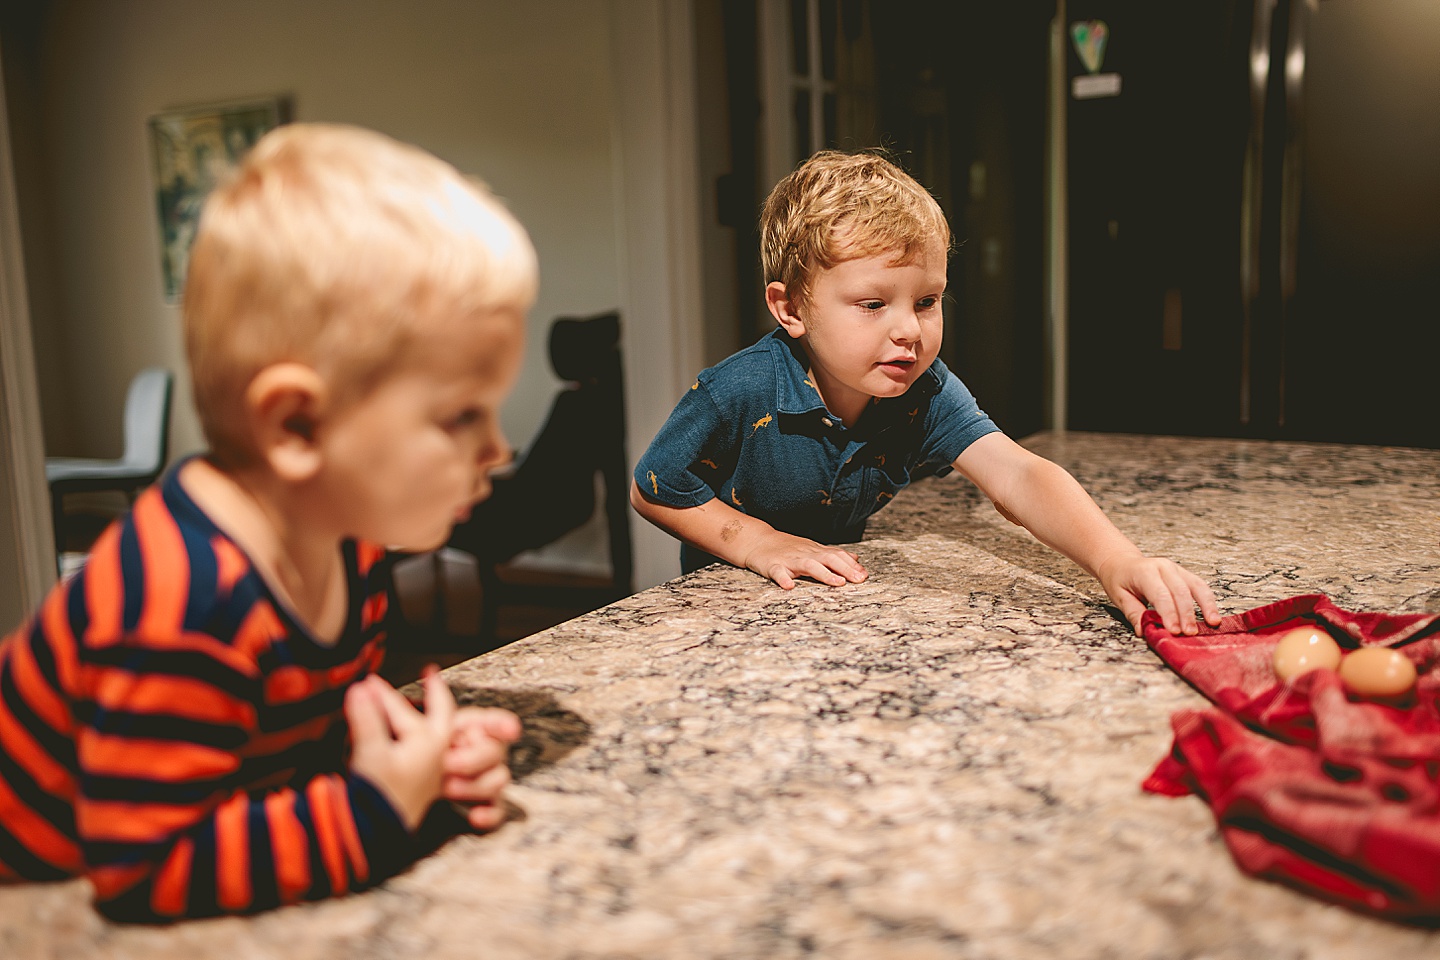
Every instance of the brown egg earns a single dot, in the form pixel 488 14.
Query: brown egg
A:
pixel 1377 672
pixel 1304 649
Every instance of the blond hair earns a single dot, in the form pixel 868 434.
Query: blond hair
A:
pixel 839 206
pixel 338 248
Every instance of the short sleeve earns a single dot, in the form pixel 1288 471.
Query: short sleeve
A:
pixel 955 421
pixel 691 449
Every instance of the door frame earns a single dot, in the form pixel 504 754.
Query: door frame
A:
pixel 29 550
pixel 658 211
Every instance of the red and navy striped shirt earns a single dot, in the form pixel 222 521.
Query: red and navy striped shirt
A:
pixel 168 730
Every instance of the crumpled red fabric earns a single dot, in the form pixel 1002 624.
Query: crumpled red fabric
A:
pixel 1310 786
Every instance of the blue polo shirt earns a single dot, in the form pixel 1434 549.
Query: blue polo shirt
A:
pixel 754 432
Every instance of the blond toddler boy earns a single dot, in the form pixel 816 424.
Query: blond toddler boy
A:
pixel 782 451
pixel 194 721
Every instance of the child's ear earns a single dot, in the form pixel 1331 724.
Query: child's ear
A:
pixel 784 309
pixel 285 402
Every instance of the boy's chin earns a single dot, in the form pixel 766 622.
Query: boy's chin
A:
pixel 891 388
pixel 420 544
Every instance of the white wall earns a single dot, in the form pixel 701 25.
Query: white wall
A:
pixel 519 97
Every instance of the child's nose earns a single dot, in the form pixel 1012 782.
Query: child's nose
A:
pixel 493 450
pixel 907 327
pixel 492 458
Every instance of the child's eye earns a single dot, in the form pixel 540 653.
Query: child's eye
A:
pixel 465 418
pixel 925 303
pixel 872 305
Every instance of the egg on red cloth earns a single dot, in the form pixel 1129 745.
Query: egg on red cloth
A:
pixel 1302 650
pixel 1377 673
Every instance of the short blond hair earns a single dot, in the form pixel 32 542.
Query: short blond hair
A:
pixel 338 247
pixel 839 206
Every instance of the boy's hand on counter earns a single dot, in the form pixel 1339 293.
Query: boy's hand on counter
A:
pixel 476 763
pixel 398 748
pixel 750 542
pixel 1133 581
pixel 782 557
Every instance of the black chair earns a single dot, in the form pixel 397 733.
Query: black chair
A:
pixel 147 444
pixel 550 491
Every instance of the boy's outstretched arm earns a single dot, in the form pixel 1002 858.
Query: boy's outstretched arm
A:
pixel 746 541
pixel 1045 499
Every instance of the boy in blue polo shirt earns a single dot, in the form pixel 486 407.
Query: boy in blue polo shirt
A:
pixel 785 448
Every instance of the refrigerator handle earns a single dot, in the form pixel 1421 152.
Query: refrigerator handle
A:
pixel 1291 168
pixel 1250 194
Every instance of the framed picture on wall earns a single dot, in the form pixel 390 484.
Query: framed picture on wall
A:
pixel 192 149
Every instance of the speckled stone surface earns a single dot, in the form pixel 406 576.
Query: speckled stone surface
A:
pixel 944 761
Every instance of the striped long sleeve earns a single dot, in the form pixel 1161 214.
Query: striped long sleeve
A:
pixel 168 731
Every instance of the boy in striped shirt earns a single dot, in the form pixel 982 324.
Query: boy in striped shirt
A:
pixel 194 721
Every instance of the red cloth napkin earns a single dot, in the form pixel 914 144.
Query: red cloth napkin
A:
pixel 1342 800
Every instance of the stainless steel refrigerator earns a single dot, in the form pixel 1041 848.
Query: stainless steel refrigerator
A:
pixel 1254 218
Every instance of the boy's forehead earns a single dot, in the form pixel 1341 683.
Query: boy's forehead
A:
pixel 480 343
pixel 487 331
pixel 851 242
pixel 932 249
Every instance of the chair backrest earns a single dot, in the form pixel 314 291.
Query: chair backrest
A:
pixel 586 351
pixel 147 420
pixel 552 490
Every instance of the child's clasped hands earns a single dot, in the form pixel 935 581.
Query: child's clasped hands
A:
pixel 414 758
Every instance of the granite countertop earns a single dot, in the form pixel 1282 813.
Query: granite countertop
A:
pixel 944 761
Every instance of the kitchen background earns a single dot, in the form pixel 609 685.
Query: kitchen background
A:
pixel 1212 217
